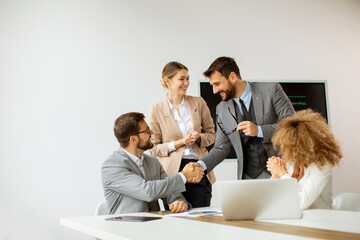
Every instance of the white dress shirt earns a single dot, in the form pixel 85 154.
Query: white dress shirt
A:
pixel 185 125
pixel 315 187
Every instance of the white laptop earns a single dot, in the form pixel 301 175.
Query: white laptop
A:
pixel 259 199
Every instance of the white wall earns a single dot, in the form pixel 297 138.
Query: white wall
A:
pixel 69 68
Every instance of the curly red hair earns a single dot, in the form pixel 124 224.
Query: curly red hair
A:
pixel 305 138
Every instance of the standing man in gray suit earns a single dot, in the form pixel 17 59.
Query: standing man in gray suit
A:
pixel 134 181
pixel 246 119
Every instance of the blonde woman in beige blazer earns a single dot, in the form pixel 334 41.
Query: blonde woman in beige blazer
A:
pixel 182 127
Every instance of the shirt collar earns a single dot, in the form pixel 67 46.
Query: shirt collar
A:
pixel 135 159
pixel 172 106
pixel 246 95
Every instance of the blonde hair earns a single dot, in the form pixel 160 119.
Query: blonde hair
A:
pixel 170 70
pixel 305 138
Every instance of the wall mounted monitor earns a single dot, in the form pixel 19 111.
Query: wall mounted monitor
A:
pixel 302 94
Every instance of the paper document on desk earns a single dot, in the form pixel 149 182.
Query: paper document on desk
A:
pixel 194 214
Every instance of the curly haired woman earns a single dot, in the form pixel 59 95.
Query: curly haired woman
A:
pixel 309 151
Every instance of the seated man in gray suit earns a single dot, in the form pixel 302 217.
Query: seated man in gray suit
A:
pixel 134 181
pixel 246 119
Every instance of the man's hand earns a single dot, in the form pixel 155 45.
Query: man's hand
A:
pixel 248 128
pixel 193 172
pixel 178 206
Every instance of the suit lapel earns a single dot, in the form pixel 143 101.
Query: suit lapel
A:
pixel 257 103
pixel 230 109
pixel 172 125
pixel 146 167
pixel 166 108
pixel 230 105
pixel 130 163
pixel 194 113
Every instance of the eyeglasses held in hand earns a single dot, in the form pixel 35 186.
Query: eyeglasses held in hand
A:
pixel 232 130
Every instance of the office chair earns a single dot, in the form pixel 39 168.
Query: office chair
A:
pixel 161 205
pixel 101 209
pixel 347 202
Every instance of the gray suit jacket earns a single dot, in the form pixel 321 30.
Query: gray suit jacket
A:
pixel 127 190
pixel 270 104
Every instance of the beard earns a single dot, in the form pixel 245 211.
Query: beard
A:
pixel 229 93
pixel 145 145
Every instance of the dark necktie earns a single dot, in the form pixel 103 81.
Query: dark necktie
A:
pixel 243 108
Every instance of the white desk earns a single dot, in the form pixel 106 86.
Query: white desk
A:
pixel 343 221
pixel 178 228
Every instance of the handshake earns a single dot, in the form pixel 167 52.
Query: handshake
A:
pixel 193 172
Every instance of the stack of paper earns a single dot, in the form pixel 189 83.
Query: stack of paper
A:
pixel 194 214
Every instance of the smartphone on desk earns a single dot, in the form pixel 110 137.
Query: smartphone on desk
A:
pixel 132 218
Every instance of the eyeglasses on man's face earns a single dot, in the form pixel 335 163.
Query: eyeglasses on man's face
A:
pixel 148 130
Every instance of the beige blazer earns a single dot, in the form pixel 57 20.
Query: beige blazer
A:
pixel 165 130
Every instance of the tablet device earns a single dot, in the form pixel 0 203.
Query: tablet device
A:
pixel 133 218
